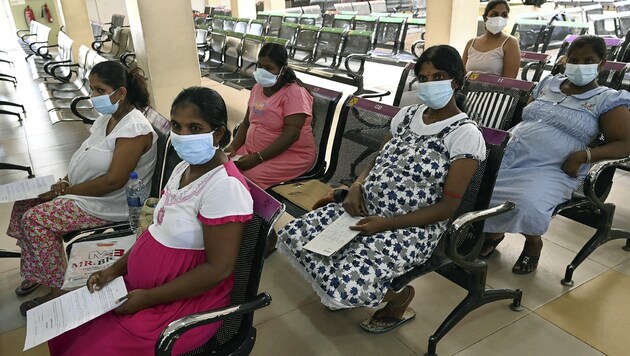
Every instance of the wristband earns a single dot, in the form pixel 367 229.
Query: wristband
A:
pixel 260 157
pixel 588 155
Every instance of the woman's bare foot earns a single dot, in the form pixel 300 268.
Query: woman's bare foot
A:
pixel 393 314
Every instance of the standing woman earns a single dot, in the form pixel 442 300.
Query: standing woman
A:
pixel 275 139
pixel 93 192
pixel 494 52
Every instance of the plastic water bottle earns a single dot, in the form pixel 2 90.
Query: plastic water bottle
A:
pixel 136 195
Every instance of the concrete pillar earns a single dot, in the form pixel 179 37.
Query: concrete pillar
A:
pixel 243 8
pixel 76 23
pixel 164 39
pixel 451 22
pixel 271 5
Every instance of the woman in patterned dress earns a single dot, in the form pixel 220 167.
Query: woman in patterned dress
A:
pixel 548 155
pixel 405 198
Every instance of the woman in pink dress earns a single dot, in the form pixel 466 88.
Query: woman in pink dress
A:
pixel 183 264
pixel 275 138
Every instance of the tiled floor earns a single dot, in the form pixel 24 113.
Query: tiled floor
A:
pixel 589 318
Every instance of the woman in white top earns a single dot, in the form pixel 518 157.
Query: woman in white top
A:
pixel 93 192
pixel 494 52
pixel 183 264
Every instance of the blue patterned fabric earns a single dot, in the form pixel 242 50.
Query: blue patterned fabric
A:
pixel 554 126
pixel 409 174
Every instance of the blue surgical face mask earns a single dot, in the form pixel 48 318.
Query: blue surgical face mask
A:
pixel 435 94
pixel 194 149
pixel 265 78
pixel 104 105
pixel 581 74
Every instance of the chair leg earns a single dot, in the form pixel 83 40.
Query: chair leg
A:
pixel 5 253
pixel 15 166
pixel 477 296
pixel 11 113
pixel 603 234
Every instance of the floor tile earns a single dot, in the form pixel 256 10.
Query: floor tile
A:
pixel 596 313
pixel 623 268
pixel 543 285
pixel 12 343
pixel 531 335
pixel 312 330
pixel 10 306
pixel 11 147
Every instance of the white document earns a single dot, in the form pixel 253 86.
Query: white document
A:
pixel 335 236
pixel 72 309
pixel 26 189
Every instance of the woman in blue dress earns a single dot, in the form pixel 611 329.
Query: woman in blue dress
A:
pixel 548 155
pixel 405 198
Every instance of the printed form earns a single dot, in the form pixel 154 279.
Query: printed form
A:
pixel 26 189
pixel 72 309
pixel 335 236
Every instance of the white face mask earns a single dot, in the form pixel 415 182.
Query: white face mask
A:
pixel 581 74
pixel 496 24
pixel 435 94
pixel 265 78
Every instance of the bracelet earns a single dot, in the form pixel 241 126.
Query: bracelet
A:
pixel 260 157
pixel 360 184
pixel 588 155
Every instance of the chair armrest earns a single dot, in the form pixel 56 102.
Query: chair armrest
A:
pixel 175 329
pixel 46 48
pixel 416 44
pixel 459 227
pixel 49 64
pixel 24 36
pixel 73 107
pixel 360 56
pixel 590 181
pixel 30 45
pixel 96 45
pixel 57 66
pixel 127 58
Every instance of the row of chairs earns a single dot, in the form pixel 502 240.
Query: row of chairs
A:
pixel 34 41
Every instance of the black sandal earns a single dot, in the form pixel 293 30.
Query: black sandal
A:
pixel 26 288
pixel 525 264
pixel 490 243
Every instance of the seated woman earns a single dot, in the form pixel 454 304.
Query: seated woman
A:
pixel 183 264
pixel 93 192
pixel 494 52
pixel 548 155
pixel 406 196
pixel 275 138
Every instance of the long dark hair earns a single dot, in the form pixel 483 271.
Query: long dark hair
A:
pixel 492 4
pixel 210 106
pixel 115 75
pixel 595 42
pixel 446 58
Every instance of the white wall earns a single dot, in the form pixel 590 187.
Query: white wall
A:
pixel 102 10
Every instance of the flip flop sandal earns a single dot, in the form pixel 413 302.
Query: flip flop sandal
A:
pixel 490 243
pixel 22 291
pixel 524 263
pixel 384 324
pixel 30 304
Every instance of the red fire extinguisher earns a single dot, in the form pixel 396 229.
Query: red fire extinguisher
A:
pixel 46 13
pixel 29 15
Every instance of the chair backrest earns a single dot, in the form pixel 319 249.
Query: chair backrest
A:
pixel 343 21
pixel 494 101
pixel 229 23
pixel 604 24
pixel 361 128
pixel 535 61
pixel 324 107
pixel 343 7
pixel 256 27
pixel 621 6
pixel 328 45
pixel 250 261
pixel 365 23
pixel 241 25
pixel 612 45
pixel 273 23
pixel 217 22
pixel 530 33
pixel 388 32
pixel 305 41
pixel 407 87
pixel 377 6
pixel 310 19
pixel 249 54
pixel 231 59
pixel 559 30
pixel 356 42
pixel 312 10
pixel 613 74
pixel 412 25
pixel 623 23
pixel 288 31
pixel 216 45
pixel 64 52
pixel 361 8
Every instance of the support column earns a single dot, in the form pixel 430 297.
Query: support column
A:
pixel 164 42
pixel 243 8
pixel 271 5
pixel 451 22
pixel 76 24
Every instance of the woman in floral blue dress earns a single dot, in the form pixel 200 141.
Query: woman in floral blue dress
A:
pixel 548 155
pixel 405 198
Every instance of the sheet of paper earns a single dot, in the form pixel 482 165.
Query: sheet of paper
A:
pixel 335 236
pixel 26 189
pixel 72 309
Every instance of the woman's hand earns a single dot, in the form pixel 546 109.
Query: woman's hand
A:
pixel 229 151
pixel 573 163
pixel 371 225
pixel 60 187
pixel 48 196
pixel 137 300
pixel 98 280
pixel 354 204
pixel 247 162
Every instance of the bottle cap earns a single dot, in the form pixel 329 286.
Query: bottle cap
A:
pixel 133 175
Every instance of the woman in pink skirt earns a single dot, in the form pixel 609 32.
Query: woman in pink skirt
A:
pixel 183 264
pixel 275 139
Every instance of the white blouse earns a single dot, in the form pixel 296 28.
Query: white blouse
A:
pixel 94 157
pixel 466 139
pixel 220 196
